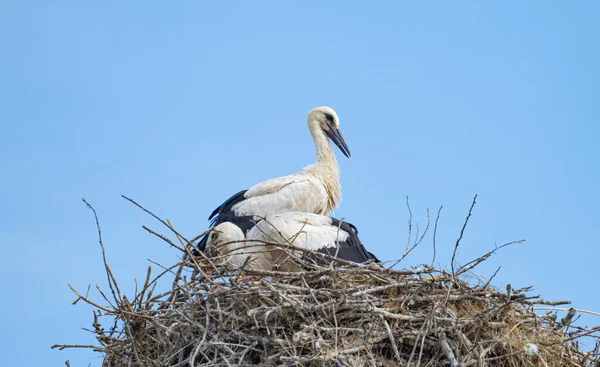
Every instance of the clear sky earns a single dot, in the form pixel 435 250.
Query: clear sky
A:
pixel 181 104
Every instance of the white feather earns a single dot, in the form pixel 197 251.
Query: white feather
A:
pixel 298 192
pixel 301 230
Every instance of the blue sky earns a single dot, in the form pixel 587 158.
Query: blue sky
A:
pixel 179 105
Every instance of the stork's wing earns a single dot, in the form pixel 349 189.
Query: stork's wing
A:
pixel 226 206
pixel 298 192
pixel 314 232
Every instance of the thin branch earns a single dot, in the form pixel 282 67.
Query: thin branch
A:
pixel 86 346
pixel 492 277
pixel 462 231
pixel 447 350
pixel 437 219
pixel 472 264
pixel 155 217
pixel 410 216
pixel 164 239
pixel 109 274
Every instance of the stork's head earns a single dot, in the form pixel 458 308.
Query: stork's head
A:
pixel 325 119
pixel 224 238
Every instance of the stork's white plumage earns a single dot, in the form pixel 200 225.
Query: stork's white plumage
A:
pixel 305 231
pixel 316 189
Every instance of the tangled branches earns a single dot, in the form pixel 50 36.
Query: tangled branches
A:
pixel 334 314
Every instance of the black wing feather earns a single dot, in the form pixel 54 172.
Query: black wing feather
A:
pixel 224 213
pixel 351 249
pixel 226 207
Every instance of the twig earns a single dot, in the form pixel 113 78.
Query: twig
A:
pixel 87 346
pixel 410 216
pixel 447 350
pixel 178 238
pixel 156 217
pixel 392 339
pixel 89 301
pixel 462 231
pixel 492 277
pixel 418 239
pixel 109 274
pixel 435 234
pixel 472 264
pixel 164 239
pixel 566 309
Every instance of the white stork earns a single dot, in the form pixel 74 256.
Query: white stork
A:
pixel 305 231
pixel 316 189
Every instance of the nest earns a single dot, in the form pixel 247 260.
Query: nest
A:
pixel 333 314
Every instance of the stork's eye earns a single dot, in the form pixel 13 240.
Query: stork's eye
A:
pixel 329 117
pixel 215 236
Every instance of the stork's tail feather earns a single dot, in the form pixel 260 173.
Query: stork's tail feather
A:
pixel 226 207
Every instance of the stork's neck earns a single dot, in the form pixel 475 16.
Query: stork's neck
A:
pixel 326 168
pixel 322 145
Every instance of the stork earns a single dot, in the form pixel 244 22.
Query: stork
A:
pixel 316 189
pixel 306 231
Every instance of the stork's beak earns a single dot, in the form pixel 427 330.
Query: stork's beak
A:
pixel 335 135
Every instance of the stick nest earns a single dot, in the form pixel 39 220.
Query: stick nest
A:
pixel 333 314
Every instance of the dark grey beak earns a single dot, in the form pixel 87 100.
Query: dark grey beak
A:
pixel 336 136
